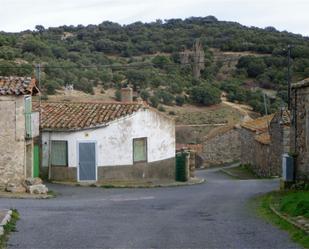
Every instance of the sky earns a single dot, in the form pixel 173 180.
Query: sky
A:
pixel 18 15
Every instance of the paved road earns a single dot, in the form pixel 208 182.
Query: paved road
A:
pixel 210 215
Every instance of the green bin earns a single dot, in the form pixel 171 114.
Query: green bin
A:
pixel 181 169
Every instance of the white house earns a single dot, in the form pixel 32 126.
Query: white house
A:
pixel 97 141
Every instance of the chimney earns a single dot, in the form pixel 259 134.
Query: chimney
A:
pixel 126 94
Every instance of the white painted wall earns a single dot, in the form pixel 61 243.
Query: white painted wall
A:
pixel 115 142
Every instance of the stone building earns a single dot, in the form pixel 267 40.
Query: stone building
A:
pixel 255 141
pixel 100 141
pixel 300 127
pixel 222 147
pixel 279 133
pixel 264 140
pixel 18 126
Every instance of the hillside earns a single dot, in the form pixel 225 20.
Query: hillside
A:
pixel 166 62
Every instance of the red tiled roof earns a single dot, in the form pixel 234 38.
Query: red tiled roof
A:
pixel 17 86
pixel 259 124
pixel 263 138
pixel 77 116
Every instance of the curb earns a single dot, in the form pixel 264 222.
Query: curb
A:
pixel 287 219
pixel 109 185
pixel 24 196
pixel 229 173
pixel 5 220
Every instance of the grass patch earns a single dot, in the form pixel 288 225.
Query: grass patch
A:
pixel 295 203
pixel 52 193
pixel 265 212
pixel 8 228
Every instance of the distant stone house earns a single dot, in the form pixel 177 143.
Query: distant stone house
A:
pixel 18 126
pixel 222 147
pixel 99 141
pixel 300 127
pixel 264 140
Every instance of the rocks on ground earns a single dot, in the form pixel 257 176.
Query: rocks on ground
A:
pixel 31 185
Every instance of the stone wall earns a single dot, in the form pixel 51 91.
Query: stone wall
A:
pixel 255 154
pixel 302 132
pixel 265 159
pixel 12 140
pixel 222 148
pixel 279 144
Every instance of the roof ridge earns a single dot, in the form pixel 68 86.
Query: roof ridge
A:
pixel 89 102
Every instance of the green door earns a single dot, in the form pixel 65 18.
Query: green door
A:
pixel 36 161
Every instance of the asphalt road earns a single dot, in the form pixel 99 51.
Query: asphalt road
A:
pixel 215 214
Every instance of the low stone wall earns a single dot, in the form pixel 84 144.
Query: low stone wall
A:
pixel 164 169
pixel 222 149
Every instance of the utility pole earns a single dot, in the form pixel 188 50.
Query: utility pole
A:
pixel 289 77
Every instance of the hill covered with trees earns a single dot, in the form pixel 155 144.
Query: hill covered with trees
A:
pixel 169 62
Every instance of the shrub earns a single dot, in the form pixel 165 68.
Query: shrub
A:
pixel 180 100
pixel 118 95
pixel 172 113
pixel 161 108
pixel 205 94
pixel 154 101
pixel 144 95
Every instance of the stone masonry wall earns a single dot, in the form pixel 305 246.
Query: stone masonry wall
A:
pixel 255 154
pixel 280 139
pixel 302 136
pixel 12 139
pixel 247 150
pixel 222 148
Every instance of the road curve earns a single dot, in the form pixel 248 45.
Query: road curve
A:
pixel 215 214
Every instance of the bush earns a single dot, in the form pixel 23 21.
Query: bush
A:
pixel 144 95
pixel 165 97
pixel 161 108
pixel 205 94
pixel 118 95
pixel 154 101
pixel 172 113
pixel 180 100
pixel 50 88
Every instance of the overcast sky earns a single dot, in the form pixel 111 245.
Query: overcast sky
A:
pixel 18 15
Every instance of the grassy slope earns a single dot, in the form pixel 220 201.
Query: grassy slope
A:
pixel 265 212
pixel 295 203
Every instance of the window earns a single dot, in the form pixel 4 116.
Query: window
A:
pixel 140 150
pixel 59 153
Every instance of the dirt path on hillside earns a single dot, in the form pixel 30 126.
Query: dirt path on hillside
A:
pixel 243 109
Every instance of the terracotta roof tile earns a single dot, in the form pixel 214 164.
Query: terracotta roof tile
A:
pixel 263 138
pixel 17 86
pixel 259 124
pixel 76 116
